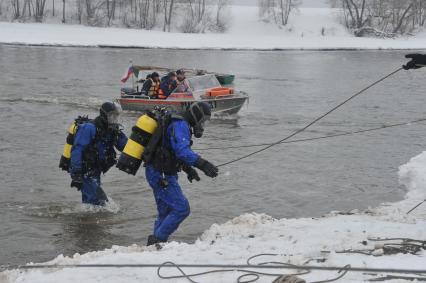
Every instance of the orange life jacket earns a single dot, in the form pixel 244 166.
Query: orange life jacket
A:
pixel 161 94
pixel 153 90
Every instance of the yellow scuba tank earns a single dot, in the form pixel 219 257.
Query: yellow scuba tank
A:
pixel 131 158
pixel 65 160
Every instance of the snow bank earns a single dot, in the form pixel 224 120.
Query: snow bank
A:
pixel 413 176
pixel 305 31
pixel 297 241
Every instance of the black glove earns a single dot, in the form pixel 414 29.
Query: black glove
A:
pixel 191 173
pixel 208 168
pixel 417 61
pixel 77 180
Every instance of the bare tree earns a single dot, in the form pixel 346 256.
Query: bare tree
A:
pixel 420 7
pixel 90 11
pixel 278 10
pixel 94 12
pixel 156 8
pixel 200 9
pixel 39 10
pixel 198 19
pixel 80 10
pixel 15 9
pixel 401 15
pixel 110 10
pixel 356 12
pixel 26 9
pixel 221 22
pixel 285 7
pixel 168 12
pixel 144 11
pixel 63 11
pixel 147 13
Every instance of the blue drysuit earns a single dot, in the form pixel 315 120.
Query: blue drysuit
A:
pixel 172 205
pixel 91 192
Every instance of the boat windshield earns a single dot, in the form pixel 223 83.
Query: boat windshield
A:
pixel 199 84
pixel 202 83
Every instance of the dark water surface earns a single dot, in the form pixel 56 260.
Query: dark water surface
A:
pixel 43 89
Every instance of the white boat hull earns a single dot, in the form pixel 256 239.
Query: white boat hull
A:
pixel 220 105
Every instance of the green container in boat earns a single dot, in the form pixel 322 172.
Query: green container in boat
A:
pixel 225 79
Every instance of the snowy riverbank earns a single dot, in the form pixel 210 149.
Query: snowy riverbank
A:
pixel 314 241
pixel 309 29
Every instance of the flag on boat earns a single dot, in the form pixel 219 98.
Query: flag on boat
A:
pixel 127 75
pixel 132 70
pixel 136 69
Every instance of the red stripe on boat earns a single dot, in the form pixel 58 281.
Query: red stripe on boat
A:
pixel 147 101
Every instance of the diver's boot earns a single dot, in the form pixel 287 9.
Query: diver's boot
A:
pixel 102 197
pixel 152 240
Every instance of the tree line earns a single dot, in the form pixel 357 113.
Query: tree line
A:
pixel 382 18
pixel 378 18
pixel 190 16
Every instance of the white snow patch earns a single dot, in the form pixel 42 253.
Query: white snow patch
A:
pixel 304 31
pixel 297 241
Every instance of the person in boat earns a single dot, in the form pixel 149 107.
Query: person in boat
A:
pixel 167 85
pixel 182 84
pixel 151 86
pixel 93 152
pixel 172 155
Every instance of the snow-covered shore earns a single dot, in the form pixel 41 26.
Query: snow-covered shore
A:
pixel 309 29
pixel 314 241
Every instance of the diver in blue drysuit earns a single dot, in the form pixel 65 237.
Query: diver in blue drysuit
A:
pixel 93 153
pixel 175 154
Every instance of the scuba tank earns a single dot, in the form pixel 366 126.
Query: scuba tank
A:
pixel 131 158
pixel 65 160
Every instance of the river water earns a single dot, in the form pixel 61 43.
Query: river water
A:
pixel 44 89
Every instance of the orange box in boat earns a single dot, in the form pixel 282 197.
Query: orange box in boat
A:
pixel 220 91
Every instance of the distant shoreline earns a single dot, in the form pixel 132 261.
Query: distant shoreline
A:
pixel 309 30
pixel 102 46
